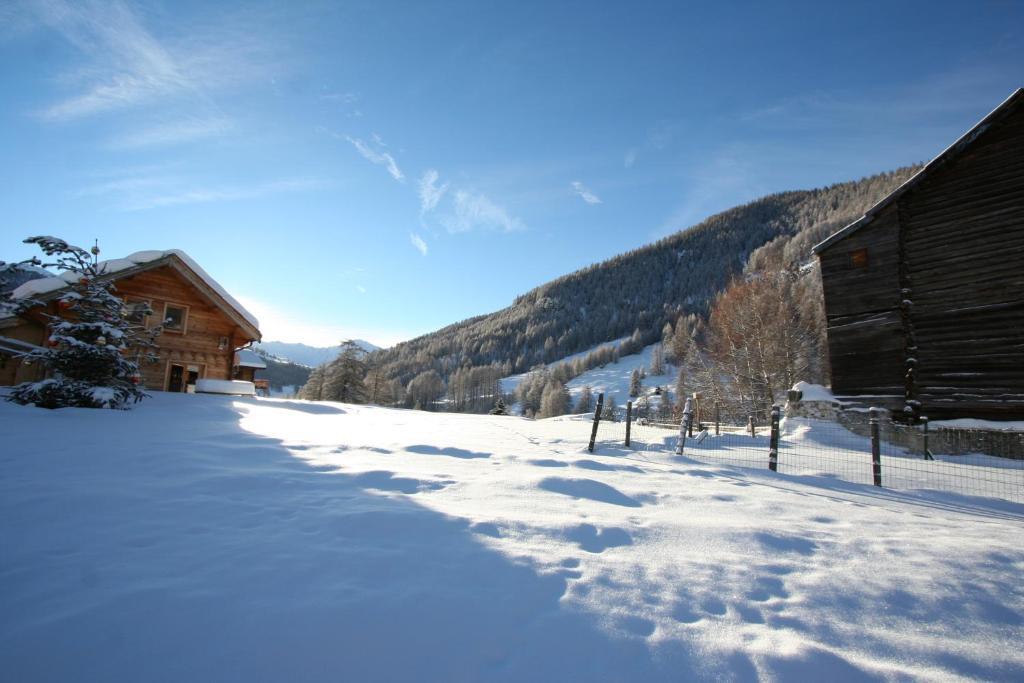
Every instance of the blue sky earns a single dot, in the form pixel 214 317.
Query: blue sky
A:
pixel 380 170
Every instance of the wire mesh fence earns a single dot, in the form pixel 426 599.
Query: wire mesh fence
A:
pixel 897 457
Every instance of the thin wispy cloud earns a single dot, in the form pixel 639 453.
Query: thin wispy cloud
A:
pixel 122 64
pixel 418 242
pixel 174 132
pixel 202 195
pixel 475 211
pixel 120 186
pixel 629 160
pixel 584 193
pixel 378 157
pixel 430 190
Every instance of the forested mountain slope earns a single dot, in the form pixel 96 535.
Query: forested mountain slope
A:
pixel 641 289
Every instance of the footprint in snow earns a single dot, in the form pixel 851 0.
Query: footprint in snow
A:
pixel 595 540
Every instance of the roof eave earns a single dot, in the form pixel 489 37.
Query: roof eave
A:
pixel 951 152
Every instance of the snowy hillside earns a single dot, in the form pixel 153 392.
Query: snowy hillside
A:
pixel 303 354
pixel 208 538
pixel 612 379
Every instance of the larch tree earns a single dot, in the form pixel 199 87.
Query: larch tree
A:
pixel 343 379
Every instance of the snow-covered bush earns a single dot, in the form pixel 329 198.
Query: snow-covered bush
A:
pixel 87 350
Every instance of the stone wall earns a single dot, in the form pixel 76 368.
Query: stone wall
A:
pixel 948 441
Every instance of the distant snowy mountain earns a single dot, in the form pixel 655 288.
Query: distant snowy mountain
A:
pixel 304 354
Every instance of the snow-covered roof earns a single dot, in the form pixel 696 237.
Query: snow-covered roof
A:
pixel 47 285
pixel 17 345
pixel 247 358
pixel 950 152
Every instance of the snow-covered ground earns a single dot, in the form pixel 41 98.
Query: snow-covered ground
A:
pixel 210 538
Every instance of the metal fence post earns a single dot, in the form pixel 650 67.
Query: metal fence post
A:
pixel 597 419
pixel 924 428
pixel 685 425
pixel 773 442
pixel 629 419
pixel 876 447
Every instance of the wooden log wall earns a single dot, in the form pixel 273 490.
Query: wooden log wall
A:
pixel 865 335
pixel 942 293
pixel 206 326
pixel 964 234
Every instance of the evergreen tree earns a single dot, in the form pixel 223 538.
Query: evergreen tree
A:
pixel 657 361
pixel 343 379
pixel 499 407
pixel 610 407
pixel 585 402
pixel 313 389
pixel 555 400
pixel 634 383
pixel 424 390
pixel 88 353
pixel 668 407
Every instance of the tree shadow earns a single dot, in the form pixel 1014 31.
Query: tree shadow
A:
pixel 589 489
pixel 426 449
pixel 231 559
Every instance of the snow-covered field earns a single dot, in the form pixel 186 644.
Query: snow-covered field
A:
pixel 210 538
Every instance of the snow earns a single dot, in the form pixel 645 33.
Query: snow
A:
pixel 46 285
pixel 225 386
pixel 974 423
pixel 814 392
pixel 203 537
pixel 509 384
pixel 612 379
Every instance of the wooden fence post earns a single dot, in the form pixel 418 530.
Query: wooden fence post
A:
pixel 629 419
pixel 927 451
pixel 773 442
pixel 597 419
pixel 685 425
pixel 750 427
pixel 717 421
pixel 876 448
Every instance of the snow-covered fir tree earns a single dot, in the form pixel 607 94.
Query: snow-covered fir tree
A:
pixel 94 348
pixel 499 407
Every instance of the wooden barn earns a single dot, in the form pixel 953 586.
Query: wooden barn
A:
pixel 924 294
pixel 203 325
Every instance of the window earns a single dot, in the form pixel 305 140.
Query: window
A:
pixel 137 311
pixel 175 318
pixel 859 258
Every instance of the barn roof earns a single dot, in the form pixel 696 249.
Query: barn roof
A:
pixel 48 287
pixel 951 152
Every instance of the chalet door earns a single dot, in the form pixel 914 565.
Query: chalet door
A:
pixel 192 376
pixel 176 381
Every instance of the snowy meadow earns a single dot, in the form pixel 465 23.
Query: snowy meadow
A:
pixel 210 538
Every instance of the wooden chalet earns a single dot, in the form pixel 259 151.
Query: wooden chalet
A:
pixel 203 326
pixel 924 295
